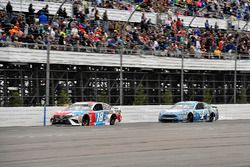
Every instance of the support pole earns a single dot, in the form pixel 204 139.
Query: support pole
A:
pixel 121 54
pixel 44 116
pixel 121 78
pixel 182 76
pixel 235 69
pixel 47 84
pixel 235 79
pixel 48 70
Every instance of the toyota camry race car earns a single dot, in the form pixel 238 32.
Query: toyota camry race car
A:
pixel 88 114
pixel 189 111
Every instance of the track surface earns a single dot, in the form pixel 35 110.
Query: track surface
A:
pixel 218 144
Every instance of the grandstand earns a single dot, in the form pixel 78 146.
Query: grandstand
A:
pixel 85 59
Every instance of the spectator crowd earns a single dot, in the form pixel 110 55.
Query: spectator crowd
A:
pixel 211 8
pixel 87 28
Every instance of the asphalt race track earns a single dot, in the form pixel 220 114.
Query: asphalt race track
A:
pixel 218 144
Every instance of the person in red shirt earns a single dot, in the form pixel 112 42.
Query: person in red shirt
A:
pixel 178 24
pixel 220 44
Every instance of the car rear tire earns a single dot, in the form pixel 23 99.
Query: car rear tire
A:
pixel 190 117
pixel 85 120
pixel 112 120
pixel 211 118
pixel 52 121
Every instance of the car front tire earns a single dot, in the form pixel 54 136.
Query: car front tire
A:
pixel 85 120
pixel 190 117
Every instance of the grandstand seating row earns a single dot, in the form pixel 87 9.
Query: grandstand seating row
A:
pixel 122 15
pixel 22 6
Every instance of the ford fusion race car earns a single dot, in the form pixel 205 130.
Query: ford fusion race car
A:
pixel 189 111
pixel 87 114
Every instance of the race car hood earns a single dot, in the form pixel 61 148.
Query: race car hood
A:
pixel 62 113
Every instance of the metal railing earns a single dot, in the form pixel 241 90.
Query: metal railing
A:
pixel 126 51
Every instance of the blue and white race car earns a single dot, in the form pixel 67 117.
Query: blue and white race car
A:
pixel 189 111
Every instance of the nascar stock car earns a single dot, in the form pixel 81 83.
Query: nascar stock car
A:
pixel 88 114
pixel 190 111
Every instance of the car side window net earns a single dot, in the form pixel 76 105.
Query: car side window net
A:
pixel 199 106
pixel 98 107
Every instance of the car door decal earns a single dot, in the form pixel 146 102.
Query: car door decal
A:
pixel 100 117
pixel 202 115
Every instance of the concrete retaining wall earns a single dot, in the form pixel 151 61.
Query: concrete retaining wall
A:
pixel 33 116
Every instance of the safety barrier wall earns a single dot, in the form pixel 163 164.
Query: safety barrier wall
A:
pixel 33 116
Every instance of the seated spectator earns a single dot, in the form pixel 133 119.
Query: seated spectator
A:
pixel 43 19
pixel 217 53
pixel 3 40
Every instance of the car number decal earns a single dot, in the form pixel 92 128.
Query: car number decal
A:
pixel 202 115
pixel 100 117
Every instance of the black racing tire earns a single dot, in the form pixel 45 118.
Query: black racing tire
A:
pixel 52 121
pixel 85 120
pixel 112 120
pixel 211 118
pixel 190 117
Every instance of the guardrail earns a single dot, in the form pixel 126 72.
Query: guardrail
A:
pixel 117 50
pixel 74 48
pixel 33 116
